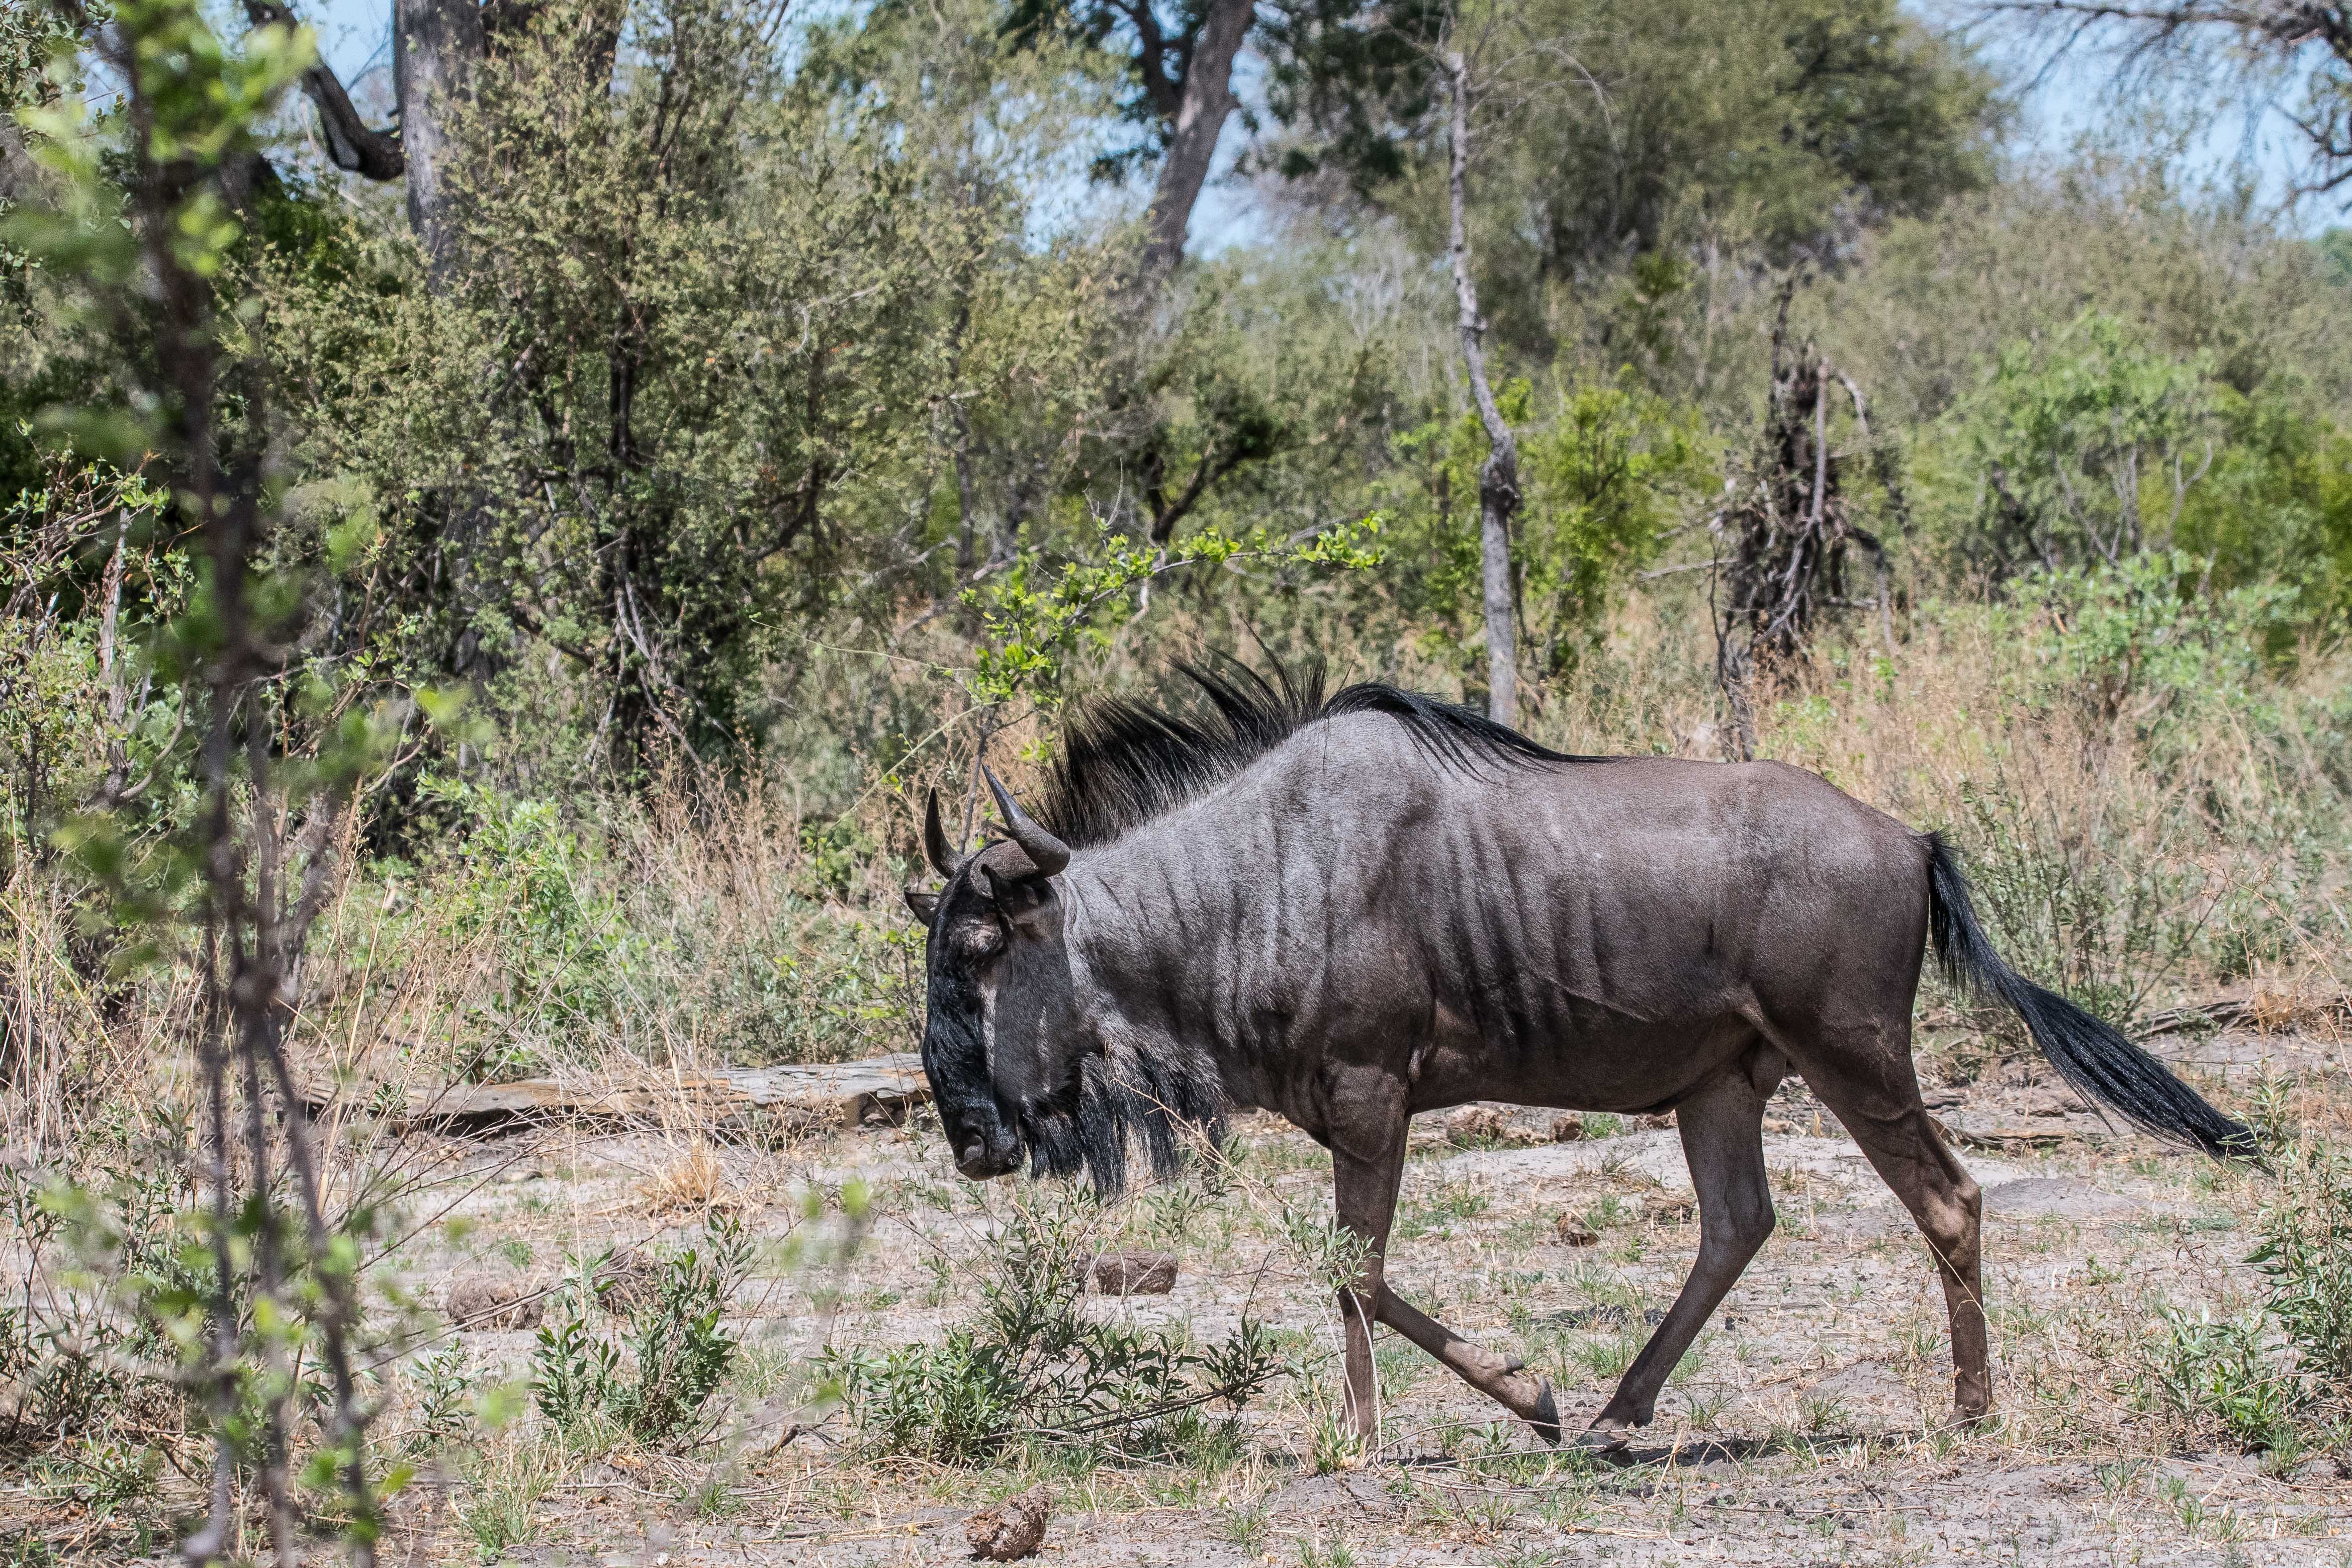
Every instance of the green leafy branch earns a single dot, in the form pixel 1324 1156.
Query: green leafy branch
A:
pixel 1031 625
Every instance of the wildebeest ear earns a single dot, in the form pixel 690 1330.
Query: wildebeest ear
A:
pixel 1027 903
pixel 924 904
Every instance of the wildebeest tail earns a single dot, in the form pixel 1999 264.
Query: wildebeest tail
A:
pixel 2089 1052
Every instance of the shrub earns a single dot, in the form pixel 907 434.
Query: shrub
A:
pixel 2224 1374
pixel 655 1379
pixel 2267 1374
pixel 2306 1261
pixel 1032 1363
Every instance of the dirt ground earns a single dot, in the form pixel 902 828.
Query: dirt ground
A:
pixel 1808 1428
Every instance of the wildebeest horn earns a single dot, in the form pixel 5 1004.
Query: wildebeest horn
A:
pixel 1046 853
pixel 935 838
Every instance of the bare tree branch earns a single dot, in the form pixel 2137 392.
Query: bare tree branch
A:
pixel 351 143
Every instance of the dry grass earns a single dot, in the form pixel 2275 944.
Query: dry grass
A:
pixel 688 927
pixel 695 1183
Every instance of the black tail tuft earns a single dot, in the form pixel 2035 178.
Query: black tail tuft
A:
pixel 2090 1053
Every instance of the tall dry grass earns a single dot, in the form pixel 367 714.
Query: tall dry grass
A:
pixel 2134 834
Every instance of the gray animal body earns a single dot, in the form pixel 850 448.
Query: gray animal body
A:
pixel 1354 911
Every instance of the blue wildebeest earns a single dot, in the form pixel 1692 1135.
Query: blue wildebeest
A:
pixel 1348 911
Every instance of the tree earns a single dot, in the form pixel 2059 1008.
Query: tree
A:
pixel 1498 476
pixel 2267 37
pixel 718 324
pixel 1786 518
pixel 1179 69
pixel 1701 134
pixel 151 207
pixel 438 48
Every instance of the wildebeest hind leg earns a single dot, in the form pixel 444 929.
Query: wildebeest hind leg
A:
pixel 1723 1140
pixel 1504 1379
pixel 1875 1093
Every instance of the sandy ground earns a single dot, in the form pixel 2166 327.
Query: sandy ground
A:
pixel 1807 1428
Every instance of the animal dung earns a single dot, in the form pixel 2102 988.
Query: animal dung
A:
pixel 1135 1273
pixel 494 1302
pixel 1575 1233
pixel 1660 1209
pixel 1013 1528
pixel 1567 1128
pixel 1474 1124
pixel 628 1283
pixel 1485 1126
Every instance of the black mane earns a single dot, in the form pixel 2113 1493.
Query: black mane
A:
pixel 1123 763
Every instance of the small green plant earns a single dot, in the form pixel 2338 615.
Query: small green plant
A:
pixel 2270 1376
pixel 2116 1478
pixel 1820 1413
pixel 2225 1373
pixel 1333 1445
pixel 502 1490
pixel 443 1391
pixel 1244 1527
pixel 1323 1549
pixel 1440 1211
pixel 656 1379
pixel 1033 1364
pixel 2305 1259
pixel 1703 1407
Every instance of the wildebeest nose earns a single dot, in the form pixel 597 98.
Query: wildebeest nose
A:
pixel 974 1154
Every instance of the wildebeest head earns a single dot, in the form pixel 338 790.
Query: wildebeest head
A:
pixel 1002 1043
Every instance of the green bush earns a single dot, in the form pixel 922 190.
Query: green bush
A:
pixel 1032 1363
pixel 2225 1374
pixel 2305 1261
pixel 2272 1376
pixel 656 1380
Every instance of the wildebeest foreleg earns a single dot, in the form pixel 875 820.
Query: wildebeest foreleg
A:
pixel 1723 1141
pixel 1365 1194
pixel 1366 1172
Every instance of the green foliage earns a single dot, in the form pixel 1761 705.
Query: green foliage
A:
pixel 2117 898
pixel 2305 1261
pixel 1030 633
pixel 1031 1363
pixel 1607 471
pixel 1610 473
pixel 2225 1373
pixel 1771 123
pixel 2273 1376
pixel 2145 641
pixel 655 1379
pixel 2275 506
pixel 2086 449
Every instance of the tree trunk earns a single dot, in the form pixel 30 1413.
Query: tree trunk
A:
pixel 1498 476
pixel 435 45
pixel 1201 114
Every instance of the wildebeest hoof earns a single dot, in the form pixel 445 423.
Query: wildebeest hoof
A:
pixel 1604 1436
pixel 1545 1418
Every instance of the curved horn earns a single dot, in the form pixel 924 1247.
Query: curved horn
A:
pixel 1046 853
pixel 943 859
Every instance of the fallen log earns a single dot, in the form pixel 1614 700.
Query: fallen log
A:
pixel 2265 1011
pixel 879 1088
